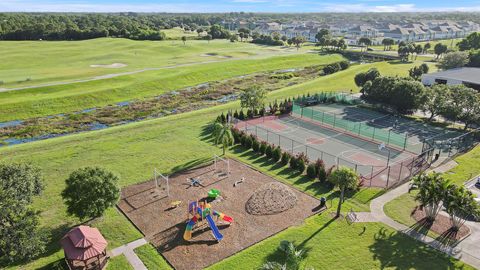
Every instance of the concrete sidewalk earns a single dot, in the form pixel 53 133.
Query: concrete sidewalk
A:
pixel 128 251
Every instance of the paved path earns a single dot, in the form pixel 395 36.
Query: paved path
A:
pixel 127 250
pixel 467 250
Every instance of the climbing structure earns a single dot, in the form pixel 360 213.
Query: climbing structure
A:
pixel 201 212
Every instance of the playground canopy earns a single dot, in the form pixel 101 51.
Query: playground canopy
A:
pixel 84 248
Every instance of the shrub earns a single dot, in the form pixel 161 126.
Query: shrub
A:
pixel 293 163
pixel 331 68
pixel 235 114
pixel 241 115
pixel 285 158
pixel 262 112
pixel 276 154
pixel 236 135
pixel 249 113
pixel 311 171
pixel 318 165
pixel 344 64
pixel 248 142
pixel 255 143
pixel 243 138
pixel 263 148
pixel 322 175
pixel 329 171
pixel 301 165
pixel 269 151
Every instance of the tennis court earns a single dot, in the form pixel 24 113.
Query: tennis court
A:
pixel 396 132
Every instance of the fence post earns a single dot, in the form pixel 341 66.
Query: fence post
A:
pixel 323 117
pixel 400 174
pixel 388 175
pixel 301 112
pixel 292 147
pixel 246 124
pixel 356 167
pixel 373 135
pixel 267 135
pixel 388 140
pixel 359 128
pixel 256 132
pixel 306 150
pixel 334 118
pixel 278 139
pixel 312 113
pixel 405 143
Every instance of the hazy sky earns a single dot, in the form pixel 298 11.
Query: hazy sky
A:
pixel 239 5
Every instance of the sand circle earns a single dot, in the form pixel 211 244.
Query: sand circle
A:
pixel 114 65
pixel 271 198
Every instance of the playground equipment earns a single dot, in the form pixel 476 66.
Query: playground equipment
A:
pixel 213 193
pixel 238 182
pixel 216 160
pixel 201 212
pixel 158 180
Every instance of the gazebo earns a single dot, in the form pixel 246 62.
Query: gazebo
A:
pixel 85 249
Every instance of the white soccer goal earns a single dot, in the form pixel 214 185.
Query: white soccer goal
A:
pixel 159 178
pixel 226 162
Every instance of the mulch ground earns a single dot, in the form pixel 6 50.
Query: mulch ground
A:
pixel 150 210
pixel 441 226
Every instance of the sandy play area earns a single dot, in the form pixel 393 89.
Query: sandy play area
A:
pixel 260 207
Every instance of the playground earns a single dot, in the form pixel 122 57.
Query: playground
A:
pixel 203 215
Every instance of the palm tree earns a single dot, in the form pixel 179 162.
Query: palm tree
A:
pixel 431 192
pixel 343 178
pixel 222 132
pixel 293 257
pixel 460 205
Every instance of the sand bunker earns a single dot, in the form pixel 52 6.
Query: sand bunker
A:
pixel 114 65
pixel 272 198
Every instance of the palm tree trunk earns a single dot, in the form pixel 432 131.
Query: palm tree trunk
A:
pixel 340 202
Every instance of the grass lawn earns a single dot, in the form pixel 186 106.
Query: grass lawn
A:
pixel 74 97
pixel 178 33
pixel 451 43
pixel 468 167
pixel 132 151
pixel 119 263
pixel 24 63
pixel 150 257
pixel 332 244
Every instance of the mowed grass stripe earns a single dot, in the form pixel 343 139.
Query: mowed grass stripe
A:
pixel 47 61
pixel 73 97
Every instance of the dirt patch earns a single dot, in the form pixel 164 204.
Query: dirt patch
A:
pixel 150 210
pixel 270 199
pixel 114 65
pixel 441 226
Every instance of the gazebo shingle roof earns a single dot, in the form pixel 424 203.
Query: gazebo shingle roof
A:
pixel 82 243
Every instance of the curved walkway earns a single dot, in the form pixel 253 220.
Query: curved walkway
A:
pixel 467 250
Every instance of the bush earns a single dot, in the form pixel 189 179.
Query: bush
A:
pixel 241 115
pixel 293 163
pixel 329 171
pixel 249 113
pixel 276 154
pixel 331 68
pixel 311 171
pixel 248 142
pixel 322 175
pixel 344 64
pixel 263 148
pixel 255 143
pixel 285 158
pixel 301 165
pixel 243 138
pixel 235 114
pixel 236 135
pixel 269 151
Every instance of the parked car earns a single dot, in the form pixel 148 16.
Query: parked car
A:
pixel 477 184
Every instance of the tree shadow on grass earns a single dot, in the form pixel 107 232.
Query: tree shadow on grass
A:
pixel 422 226
pixel 399 251
pixel 280 257
pixel 191 164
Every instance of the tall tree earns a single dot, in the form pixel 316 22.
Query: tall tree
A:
pixel 427 47
pixel 343 178
pixel 460 205
pixel 253 98
pixel 435 100
pixel 440 49
pixel 184 39
pixel 222 133
pixel 431 192
pixel 365 42
pixel 454 60
pixel 90 191
pixel 20 238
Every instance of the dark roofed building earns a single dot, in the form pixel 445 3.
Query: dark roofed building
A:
pixel 467 76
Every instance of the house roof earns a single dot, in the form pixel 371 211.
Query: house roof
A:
pixel 401 31
pixel 82 243
pixel 465 74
